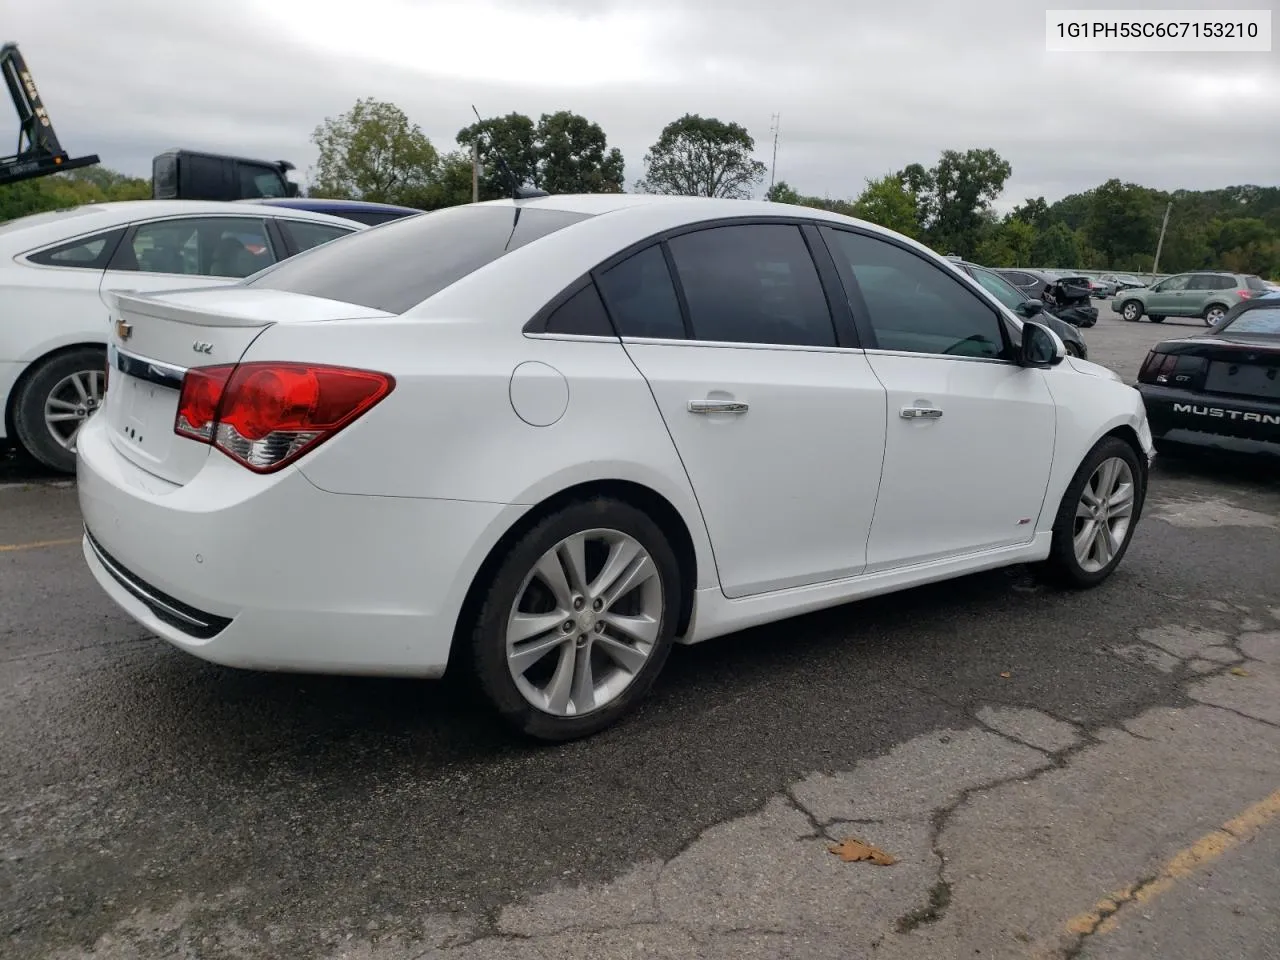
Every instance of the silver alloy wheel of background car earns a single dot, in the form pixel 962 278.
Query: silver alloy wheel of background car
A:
pixel 1131 310
pixel 584 622
pixel 70 404
pixel 1213 316
pixel 1104 514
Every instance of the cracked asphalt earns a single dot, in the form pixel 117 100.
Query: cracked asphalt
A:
pixel 1058 774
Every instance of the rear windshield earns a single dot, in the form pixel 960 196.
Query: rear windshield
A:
pixel 1265 321
pixel 1256 283
pixel 400 264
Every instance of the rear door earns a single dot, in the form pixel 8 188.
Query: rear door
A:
pixel 777 416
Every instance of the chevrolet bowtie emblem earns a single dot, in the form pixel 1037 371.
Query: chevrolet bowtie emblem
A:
pixel 124 330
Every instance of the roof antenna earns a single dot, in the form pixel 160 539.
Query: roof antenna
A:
pixel 518 190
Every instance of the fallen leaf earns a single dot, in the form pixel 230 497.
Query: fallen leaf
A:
pixel 1006 676
pixel 851 849
pixel 1239 671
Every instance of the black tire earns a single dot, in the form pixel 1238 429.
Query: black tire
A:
pixel 1062 565
pixel 1073 348
pixel 1213 314
pixel 1156 319
pixel 32 433
pixel 1131 306
pixel 487 639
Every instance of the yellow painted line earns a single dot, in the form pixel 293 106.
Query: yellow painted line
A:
pixel 1107 913
pixel 37 544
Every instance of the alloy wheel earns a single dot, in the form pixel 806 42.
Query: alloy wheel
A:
pixel 1103 514
pixel 1214 315
pixel 585 621
pixel 70 404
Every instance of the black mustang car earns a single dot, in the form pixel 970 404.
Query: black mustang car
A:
pixel 1219 388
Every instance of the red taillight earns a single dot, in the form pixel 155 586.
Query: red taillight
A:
pixel 1157 367
pixel 1244 294
pixel 266 415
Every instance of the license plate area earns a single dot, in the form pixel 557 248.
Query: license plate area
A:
pixel 1243 379
pixel 144 417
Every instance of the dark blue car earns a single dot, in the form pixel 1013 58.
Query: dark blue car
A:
pixel 361 211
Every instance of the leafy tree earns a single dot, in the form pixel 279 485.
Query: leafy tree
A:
pixel 514 138
pixel 890 203
pixel 1056 246
pixel 63 190
pixel 573 156
pixel 702 157
pixel 1034 212
pixel 1121 222
pixel 1006 244
pixel 783 192
pixel 450 184
pixel 953 196
pixel 372 152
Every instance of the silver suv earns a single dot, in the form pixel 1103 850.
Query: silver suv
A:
pixel 1203 294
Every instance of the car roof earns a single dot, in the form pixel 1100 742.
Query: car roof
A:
pixel 37 230
pixel 333 203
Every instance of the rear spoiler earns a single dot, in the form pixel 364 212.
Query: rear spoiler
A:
pixel 252 308
pixel 150 305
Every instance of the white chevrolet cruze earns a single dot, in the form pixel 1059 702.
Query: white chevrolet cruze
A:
pixel 542 440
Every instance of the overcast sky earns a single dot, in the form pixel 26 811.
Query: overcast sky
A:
pixel 862 88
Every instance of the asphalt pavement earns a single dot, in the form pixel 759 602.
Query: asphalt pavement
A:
pixel 1053 774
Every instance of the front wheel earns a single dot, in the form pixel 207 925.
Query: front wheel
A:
pixel 54 401
pixel 1098 514
pixel 1131 310
pixel 1073 349
pixel 579 620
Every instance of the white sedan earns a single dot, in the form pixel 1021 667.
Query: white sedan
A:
pixel 541 441
pixel 57 269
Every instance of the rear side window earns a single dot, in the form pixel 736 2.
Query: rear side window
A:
pixel 91 253
pixel 641 297
pixel 1256 283
pixel 401 264
pixel 307 235
pixel 582 315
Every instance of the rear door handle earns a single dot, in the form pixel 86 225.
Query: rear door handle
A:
pixel 717 406
pixel 921 413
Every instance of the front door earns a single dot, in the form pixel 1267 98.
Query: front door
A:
pixel 1169 298
pixel 189 252
pixel 780 430
pixel 970 434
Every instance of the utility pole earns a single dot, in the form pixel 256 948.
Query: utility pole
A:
pixel 475 169
pixel 1155 267
pixel 775 128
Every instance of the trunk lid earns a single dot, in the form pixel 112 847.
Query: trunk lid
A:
pixel 1235 367
pixel 155 338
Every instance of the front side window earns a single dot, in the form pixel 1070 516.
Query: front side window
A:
pixel 233 247
pixel 260 182
pixel 401 264
pixel 1173 284
pixel 306 235
pixel 753 283
pixel 86 253
pixel 1000 288
pixel 642 298
pixel 914 305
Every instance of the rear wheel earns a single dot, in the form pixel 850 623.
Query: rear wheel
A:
pixel 54 401
pixel 1213 314
pixel 1098 514
pixel 1131 310
pixel 579 621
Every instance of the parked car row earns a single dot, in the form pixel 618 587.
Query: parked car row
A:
pixel 58 269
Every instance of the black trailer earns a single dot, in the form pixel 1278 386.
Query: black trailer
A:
pixel 193 175
pixel 39 152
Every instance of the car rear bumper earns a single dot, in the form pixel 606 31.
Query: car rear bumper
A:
pixel 1199 418
pixel 269 572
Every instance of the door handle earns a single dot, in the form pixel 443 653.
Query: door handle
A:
pixel 717 406
pixel 921 413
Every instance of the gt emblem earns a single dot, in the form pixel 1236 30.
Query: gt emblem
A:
pixel 124 330
pixel 201 346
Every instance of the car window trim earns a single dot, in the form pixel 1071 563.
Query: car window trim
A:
pixel 862 314
pixel 842 317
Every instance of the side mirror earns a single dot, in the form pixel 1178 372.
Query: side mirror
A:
pixel 1041 347
pixel 1029 308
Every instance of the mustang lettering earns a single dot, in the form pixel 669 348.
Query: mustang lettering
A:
pixel 1221 412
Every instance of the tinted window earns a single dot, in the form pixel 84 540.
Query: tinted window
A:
pixel 1021 279
pixel 914 305
pixel 198 246
pixel 1265 321
pixel 1000 288
pixel 207 177
pixel 258 181
pixel 87 252
pixel 307 235
pixel 583 314
pixel 1256 283
pixel 1202 281
pixel 641 297
pixel 400 264
pixel 1174 283
pixel 753 283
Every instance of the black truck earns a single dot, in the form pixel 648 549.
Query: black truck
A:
pixel 175 174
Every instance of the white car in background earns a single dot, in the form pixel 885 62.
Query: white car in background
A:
pixel 56 270
pixel 541 441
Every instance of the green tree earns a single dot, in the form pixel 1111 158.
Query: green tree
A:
pixel 783 192
pixel 1057 245
pixel 515 139
pixel 372 152
pixel 64 190
pixel 890 203
pixel 450 184
pixel 573 156
pixel 1006 243
pixel 955 194
pixel 1121 222
pixel 1034 212
pixel 702 157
